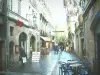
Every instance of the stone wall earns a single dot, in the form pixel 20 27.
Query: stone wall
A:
pixel 89 35
pixel 15 38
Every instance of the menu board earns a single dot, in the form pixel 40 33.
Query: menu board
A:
pixel 35 56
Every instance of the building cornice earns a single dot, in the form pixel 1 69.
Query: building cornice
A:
pixel 24 25
pixel 95 21
pixel 16 14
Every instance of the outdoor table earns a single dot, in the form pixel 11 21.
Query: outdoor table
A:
pixel 72 61
pixel 76 67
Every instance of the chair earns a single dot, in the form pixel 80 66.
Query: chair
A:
pixel 84 70
pixel 61 66
pixel 86 66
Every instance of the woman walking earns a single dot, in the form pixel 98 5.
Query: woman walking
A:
pixel 22 55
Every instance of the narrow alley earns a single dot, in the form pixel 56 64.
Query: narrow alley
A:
pixel 49 37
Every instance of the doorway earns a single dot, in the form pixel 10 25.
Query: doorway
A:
pixel 32 42
pixel 82 47
pixel 23 41
pixel 98 52
pixel 1 49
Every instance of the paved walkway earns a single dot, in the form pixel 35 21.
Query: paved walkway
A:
pixel 48 65
pixel 44 67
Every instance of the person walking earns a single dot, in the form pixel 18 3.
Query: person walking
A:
pixel 22 55
pixel 30 52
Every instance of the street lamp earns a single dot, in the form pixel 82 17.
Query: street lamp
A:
pixel 34 18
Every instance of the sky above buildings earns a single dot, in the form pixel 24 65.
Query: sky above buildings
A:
pixel 58 13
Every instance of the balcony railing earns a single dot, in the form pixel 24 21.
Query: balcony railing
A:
pixel 86 5
pixel 33 3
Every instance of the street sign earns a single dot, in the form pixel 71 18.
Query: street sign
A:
pixel 35 56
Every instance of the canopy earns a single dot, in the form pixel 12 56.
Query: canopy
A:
pixel 46 38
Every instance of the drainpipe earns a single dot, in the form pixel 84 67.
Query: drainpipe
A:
pixel 6 35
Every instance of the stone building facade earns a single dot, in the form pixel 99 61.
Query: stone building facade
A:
pixel 22 30
pixel 21 20
pixel 71 7
pixel 46 28
pixel 91 23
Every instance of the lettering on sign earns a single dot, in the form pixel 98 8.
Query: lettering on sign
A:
pixel 35 56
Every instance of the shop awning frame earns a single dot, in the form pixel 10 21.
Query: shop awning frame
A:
pixel 45 38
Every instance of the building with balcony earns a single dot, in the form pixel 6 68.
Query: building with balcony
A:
pixel 19 25
pixel 46 27
pixel 79 34
pixel 71 7
pixel 22 22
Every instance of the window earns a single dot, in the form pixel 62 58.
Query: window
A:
pixel 33 3
pixel 11 31
pixel 1 4
pixel 33 12
pixel 19 6
pixel 29 7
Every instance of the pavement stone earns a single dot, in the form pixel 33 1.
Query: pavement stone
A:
pixel 44 67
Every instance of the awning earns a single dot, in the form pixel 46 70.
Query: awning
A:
pixel 46 38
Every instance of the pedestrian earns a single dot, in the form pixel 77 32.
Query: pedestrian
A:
pixel 61 47
pixel 30 52
pixel 22 55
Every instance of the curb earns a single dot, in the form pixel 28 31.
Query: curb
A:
pixel 56 63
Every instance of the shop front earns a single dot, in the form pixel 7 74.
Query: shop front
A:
pixel 46 45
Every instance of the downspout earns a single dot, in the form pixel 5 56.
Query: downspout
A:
pixel 6 35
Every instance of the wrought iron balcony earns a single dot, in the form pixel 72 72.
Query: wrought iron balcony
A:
pixel 85 4
pixel 33 3
pixel 16 16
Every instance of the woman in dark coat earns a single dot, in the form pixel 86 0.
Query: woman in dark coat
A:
pixel 22 54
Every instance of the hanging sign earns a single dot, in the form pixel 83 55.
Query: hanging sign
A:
pixel 19 23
